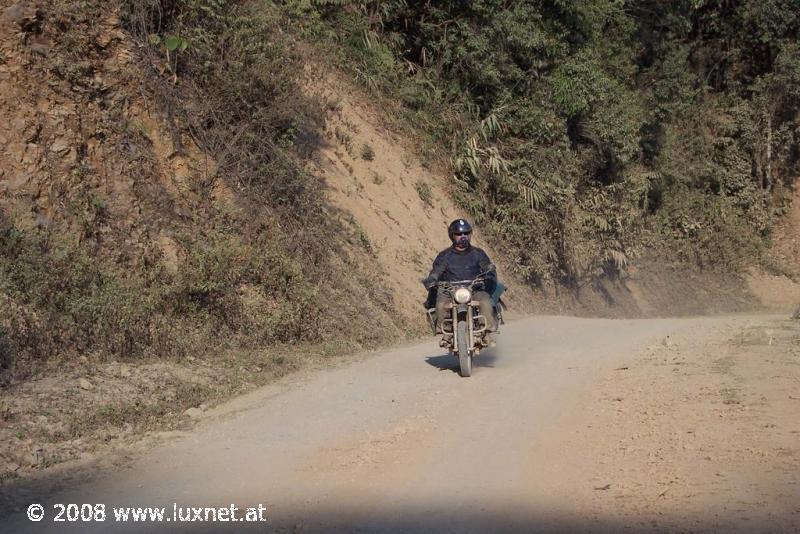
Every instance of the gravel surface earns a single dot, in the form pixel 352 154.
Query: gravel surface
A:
pixel 570 424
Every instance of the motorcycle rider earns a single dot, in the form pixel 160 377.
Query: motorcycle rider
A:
pixel 462 261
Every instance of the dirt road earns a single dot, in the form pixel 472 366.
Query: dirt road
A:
pixel 570 424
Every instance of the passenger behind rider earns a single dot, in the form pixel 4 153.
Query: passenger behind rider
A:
pixel 462 261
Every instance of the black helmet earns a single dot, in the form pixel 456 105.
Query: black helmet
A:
pixel 459 226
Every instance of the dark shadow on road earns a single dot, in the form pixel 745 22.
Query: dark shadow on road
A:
pixel 447 362
pixel 443 362
pixel 487 358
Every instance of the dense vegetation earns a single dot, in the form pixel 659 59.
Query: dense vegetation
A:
pixel 597 131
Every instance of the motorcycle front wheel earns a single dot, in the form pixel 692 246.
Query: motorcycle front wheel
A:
pixel 464 357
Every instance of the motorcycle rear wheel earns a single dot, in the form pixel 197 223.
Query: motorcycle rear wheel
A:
pixel 464 357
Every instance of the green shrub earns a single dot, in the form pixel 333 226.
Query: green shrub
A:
pixel 425 193
pixel 367 153
pixel 621 123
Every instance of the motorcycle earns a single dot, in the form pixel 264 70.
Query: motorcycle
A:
pixel 465 328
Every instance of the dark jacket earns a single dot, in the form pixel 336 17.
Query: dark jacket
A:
pixel 451 265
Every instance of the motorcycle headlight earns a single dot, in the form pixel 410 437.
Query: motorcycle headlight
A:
pixel 462 295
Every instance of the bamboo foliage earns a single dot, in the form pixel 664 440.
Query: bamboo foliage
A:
pixel 475 158
pixel 477 154
pixel 642 122
pixel 618 258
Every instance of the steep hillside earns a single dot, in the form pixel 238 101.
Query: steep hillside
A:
pixel 191 204
pixel 786 240
pixel 594 138
pixel 399 208
pixel 135 224
pixel 779 286
pixel 171 236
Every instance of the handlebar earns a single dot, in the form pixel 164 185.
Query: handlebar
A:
pixel 461 283
pixel 444 284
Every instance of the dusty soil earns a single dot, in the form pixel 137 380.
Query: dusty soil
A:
pixel 398 206
pixel 786 239
pixel 93 412
pixel 780 289
pixel 58 126
pixel 697 432
pixel 601 425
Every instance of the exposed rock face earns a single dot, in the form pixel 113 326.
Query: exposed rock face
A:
pixel 80 142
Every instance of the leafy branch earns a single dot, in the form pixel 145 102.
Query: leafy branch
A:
pixel 172 46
